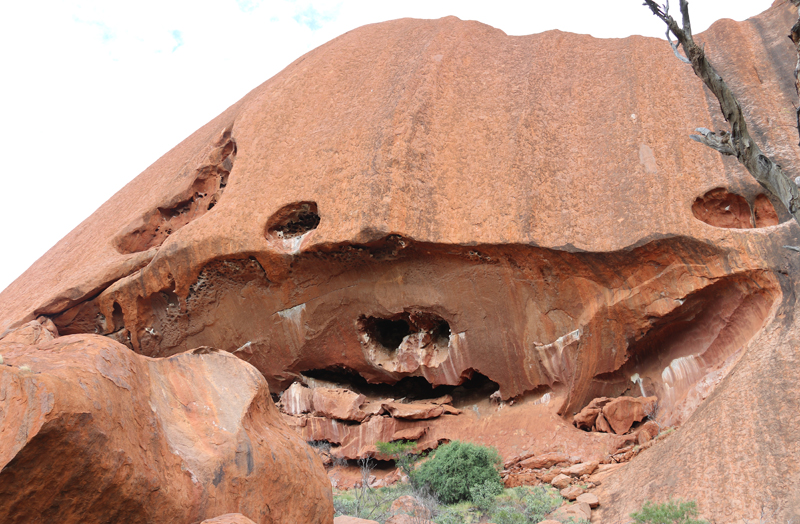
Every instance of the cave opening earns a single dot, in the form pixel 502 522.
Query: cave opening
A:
pixel 474 385
pixel 392 331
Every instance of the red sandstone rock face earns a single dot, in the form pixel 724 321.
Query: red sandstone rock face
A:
pixel 437 201
pixel 92 432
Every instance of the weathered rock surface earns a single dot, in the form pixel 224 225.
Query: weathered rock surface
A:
pixel 229 518
pixel 92 432
pixel 438 201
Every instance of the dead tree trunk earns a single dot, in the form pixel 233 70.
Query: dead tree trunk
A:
pixel 738 141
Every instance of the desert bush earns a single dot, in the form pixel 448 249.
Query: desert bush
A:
pixel 541 501
pixel 674 511
pixel 402 453
pixel 484 496
pixel 509 515
pixel 456 467
pixel 524 505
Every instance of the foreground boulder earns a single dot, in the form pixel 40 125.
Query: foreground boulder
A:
pixel 92 432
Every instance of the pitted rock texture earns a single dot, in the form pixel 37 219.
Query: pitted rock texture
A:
pixel 92 432
pixel 436 200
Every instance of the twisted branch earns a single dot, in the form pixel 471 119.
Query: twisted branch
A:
pixel 738 141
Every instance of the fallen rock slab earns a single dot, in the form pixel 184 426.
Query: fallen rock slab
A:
pixel 94 432
pixel 622 412
pixel 587 417
pixel 414 411
pixel 579 470
pixel 545 460
pixel 589 498
pixel 335 403
pixel 572 492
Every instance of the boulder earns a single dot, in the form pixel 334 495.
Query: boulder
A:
pixel 545 460
pixel 338 403
pixel 602 425
pixel 576 511
pixel 589 498
pixel 585 419
pixel 647 432
pixel 96 433
pixel 579 470
pixel 622 412
pixel 561 481
pixel 572 492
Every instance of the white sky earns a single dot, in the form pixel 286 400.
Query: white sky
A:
pixel 97 90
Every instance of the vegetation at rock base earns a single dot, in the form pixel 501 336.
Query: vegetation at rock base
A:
pixel 456 467
pixel 671 512
pixel 521 505
pixel 401 451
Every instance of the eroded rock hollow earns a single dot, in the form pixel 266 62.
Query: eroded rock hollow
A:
pixel 407 235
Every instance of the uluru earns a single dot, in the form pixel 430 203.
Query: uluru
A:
pixel 427 231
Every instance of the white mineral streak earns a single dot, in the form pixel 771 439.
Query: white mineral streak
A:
pixel 681 374
pixel 448 362
pixel 296 399
pixel 294 327
pixel 552 355
pixel 292 245
pixel 544 400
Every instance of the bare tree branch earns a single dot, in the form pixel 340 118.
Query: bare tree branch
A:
pixel 678 53
pixel 719 142
pixel 738 142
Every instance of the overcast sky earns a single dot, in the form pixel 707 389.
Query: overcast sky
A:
pixel 95 91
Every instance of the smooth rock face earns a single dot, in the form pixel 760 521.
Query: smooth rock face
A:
pixel 437 201
pixel 95 433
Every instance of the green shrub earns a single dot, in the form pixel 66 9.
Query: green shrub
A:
pixel 508 516
pixel 456 467
pixel 401 452
pixel 670 512
pixel 540 502
pixel 484 495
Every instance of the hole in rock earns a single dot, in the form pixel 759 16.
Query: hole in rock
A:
pixel 293 220
pixel 390 333
pixel 721 208
pixel 210 180
pixel 764 212
pixel 117 317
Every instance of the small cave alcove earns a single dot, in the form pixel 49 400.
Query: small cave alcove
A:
pixel 391 332
pixel 722 208
pixel 293 220
pixel 404 342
